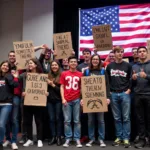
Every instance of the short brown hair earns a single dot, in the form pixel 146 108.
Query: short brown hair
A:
pixel 117 49
pixel 12 51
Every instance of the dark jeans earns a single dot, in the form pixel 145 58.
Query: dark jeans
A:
pixel 4 114
pixel 55 120
pixel 120 104
pixel 14 121
pixel 29 112
pixel 142 107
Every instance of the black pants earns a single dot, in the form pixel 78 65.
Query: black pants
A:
pixel 29 112
pixel 84 123
pixel 142 108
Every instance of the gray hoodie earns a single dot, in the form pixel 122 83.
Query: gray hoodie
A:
pixel 141 85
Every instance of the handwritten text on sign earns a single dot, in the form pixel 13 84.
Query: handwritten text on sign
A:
pixel 102 37
pixel 94 94
pixel 24 51
pixel 36 88
pixel 63 45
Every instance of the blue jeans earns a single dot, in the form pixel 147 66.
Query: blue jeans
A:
pixel 72 107
pixel 14 120
pixel 55 120
pixel 4 114
pixel 120 104
pixel 91 125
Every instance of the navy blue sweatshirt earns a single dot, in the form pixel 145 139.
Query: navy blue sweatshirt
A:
pixel 7 85
pixel 141 85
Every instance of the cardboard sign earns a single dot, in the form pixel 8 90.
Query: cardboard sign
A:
pixel 94 94
pixel 102 37
pixel 126 60
pixel 24 51
pixel 63 45
pixel 148 47
pixel 36 87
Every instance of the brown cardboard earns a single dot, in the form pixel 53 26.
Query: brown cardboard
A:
pixel 126 59
pixel 63 45
pixel 24 50
pixel 148 47
pixel 102 37
pixel 94 94
pixel 36 88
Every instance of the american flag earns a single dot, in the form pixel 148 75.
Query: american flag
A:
pixel 130 26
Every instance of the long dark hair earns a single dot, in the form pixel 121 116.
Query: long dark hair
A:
pixel 99 65
pixel 55 76
pixel 9 67
pixel 38 68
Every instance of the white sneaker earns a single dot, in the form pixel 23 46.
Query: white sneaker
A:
pixel 89 144
pixel 102 144
pixel 79 145
pixel 40 144
pixel 14 146
pixel 6 143
pixel 28 143
pixel 66 144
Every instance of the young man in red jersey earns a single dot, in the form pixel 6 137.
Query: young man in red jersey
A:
pixel 70 92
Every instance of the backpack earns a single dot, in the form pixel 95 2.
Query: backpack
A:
pixel 87 72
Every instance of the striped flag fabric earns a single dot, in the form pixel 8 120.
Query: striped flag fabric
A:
pixel 130 26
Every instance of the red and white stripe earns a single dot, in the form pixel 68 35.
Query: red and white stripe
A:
pixel 134 30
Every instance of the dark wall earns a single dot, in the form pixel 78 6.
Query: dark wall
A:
pixel 66 14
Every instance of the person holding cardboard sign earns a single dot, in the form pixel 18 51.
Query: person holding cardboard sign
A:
pixel 30 111
pixel 7 84
pixel 95 69
pixel 70 93
pixel 54 103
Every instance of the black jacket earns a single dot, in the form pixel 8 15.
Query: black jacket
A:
pixel 7 85
pixel 54 94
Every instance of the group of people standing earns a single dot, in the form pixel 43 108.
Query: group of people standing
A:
pixel 125 82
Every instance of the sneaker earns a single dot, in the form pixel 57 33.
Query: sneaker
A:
pixel 140 144
pixel 23 139
pixel 40 144
pixel 126 144
pixel 66 144
pixel 116 142
pixel 78 143
pixel 147 140
pixel 6 143
pixel 14 146
pixel 28 143
pixel 136 140
pixel 102 144
pixel 84 139
pixel 89 144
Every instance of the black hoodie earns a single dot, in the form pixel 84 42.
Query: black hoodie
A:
pixel 7 85
pixel 141 85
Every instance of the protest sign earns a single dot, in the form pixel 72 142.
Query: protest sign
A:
pixel 63 45
pixel 24 51
pixel 148 48
pixel 94 94
pixel 102 37
pixel 36 88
